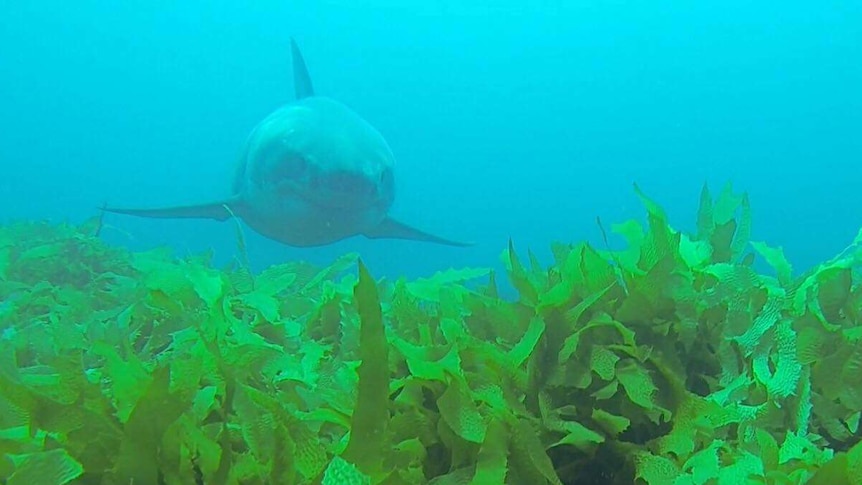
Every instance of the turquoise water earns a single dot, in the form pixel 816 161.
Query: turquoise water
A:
pixel 508 119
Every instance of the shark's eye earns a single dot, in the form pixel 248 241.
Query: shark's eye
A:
pixel 289 167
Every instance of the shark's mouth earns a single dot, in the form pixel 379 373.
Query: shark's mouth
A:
pixel 335 192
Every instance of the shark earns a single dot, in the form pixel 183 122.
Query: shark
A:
pixel 311 173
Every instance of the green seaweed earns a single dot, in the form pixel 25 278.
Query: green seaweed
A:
pixel 371 413
pixel 670 361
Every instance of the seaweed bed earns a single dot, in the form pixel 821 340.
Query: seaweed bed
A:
pixel 672 361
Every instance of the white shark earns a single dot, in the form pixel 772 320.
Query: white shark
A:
pixel 313 172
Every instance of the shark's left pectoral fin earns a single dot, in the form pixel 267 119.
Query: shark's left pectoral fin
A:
pixel 392 229
pixel 219 211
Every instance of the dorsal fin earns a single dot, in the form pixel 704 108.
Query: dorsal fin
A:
pixel 301 79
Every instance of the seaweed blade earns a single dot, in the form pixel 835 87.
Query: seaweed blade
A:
pixel 371 414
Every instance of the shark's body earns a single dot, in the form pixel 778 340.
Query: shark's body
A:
pixel 313 172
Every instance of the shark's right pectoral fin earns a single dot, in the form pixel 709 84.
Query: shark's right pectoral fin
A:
pixel 392 229
pixel 219 211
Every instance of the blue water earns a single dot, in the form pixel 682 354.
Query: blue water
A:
pixel 508 119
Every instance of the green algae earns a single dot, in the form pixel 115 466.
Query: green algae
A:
pixel 671 361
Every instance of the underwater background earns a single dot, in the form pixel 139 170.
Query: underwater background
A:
pixel 507 119
pixel 666 285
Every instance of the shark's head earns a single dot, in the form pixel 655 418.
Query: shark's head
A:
pixel 315 164
pixel 320 152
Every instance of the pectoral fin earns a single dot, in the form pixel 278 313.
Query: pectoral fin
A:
pixel 219 211
pixel 392 229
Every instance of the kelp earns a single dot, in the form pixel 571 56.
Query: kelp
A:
pixel 682 358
